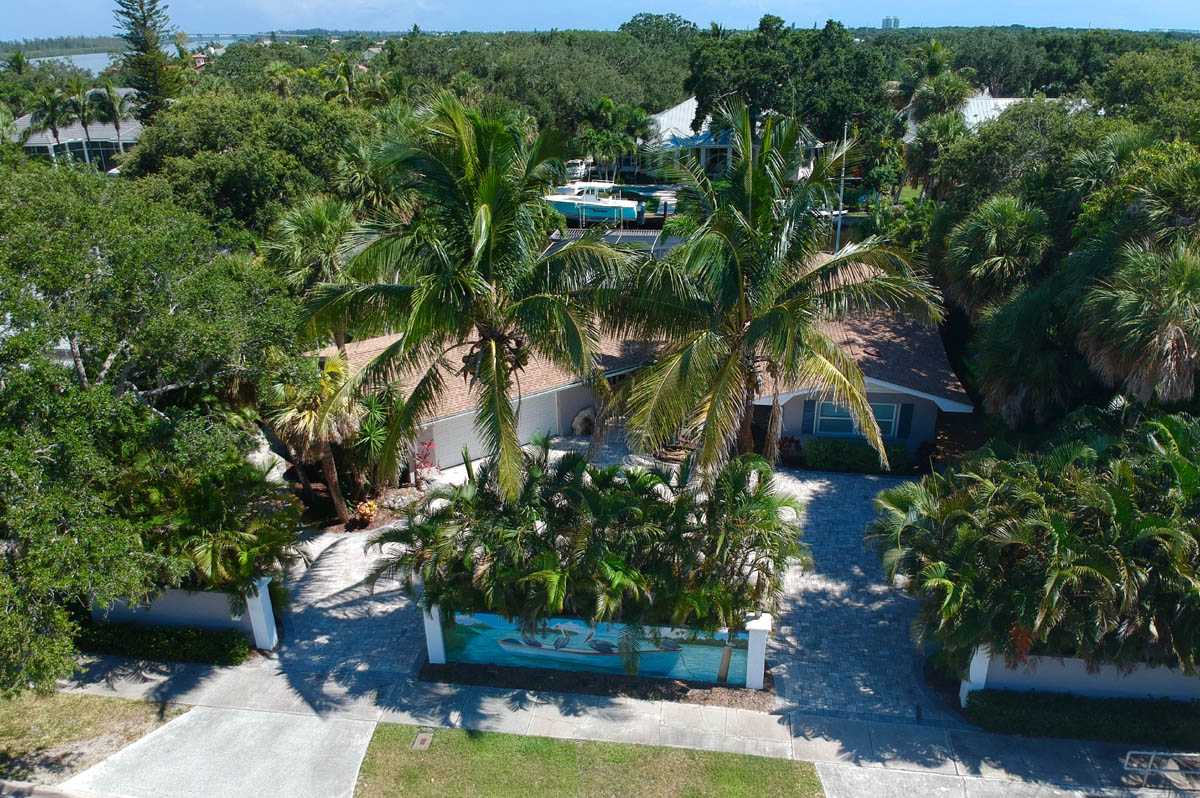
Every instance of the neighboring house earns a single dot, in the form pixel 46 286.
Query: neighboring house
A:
pixel 980 107
pixel 71 139
pixel 710 148
pixel 908 378
pixel 675 135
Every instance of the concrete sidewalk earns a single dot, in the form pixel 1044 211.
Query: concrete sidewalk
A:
pixel 253 721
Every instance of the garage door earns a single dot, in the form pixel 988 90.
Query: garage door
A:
pixel 451 434
pixel 538 414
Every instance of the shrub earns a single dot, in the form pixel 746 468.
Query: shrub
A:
pixel 1086 549
pixel 179 643
pixel 1160 723
pixel 611 543
pixel 838 454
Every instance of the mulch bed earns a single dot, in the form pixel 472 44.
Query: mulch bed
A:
pixel 603 684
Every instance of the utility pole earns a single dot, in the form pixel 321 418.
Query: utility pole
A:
pixel 841 187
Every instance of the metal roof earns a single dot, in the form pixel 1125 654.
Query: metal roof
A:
pixel 131 130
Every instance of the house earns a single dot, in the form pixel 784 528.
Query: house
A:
pixel 908 379
pixel 675 135
pixel 72 141
pixel 980 107
pixel 712 149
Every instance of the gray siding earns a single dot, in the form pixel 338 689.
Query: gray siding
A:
pixel 924 417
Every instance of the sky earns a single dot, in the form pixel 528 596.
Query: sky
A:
pixel 24 19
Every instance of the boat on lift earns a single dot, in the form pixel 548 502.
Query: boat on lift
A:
pixel 593 201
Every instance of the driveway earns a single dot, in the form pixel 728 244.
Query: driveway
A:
pixel 841 646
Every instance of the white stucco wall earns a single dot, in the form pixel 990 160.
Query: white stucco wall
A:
pixel 204 609
pixel 1071 676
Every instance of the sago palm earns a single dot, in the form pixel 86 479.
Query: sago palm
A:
pixel 467 284
pixel 739 305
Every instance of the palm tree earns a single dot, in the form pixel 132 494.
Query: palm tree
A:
pixel 278 77
pixel 927 60
pixel 934 135
pixel 1028 369
pixel 1141 327
pixel 111 107
pixel 467 284
pixel 81 111
pixel 994 251
pixel 739 304
pixel 50 111
pixel 340 71
pixel 17 63
pixel 938 94
pixel 314 416
pixel 308 246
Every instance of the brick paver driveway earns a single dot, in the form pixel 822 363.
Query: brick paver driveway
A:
pixel 842 645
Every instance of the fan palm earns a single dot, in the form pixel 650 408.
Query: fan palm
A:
pixel 111 107
pixel 308 246
pixel 740 302
pixel 278 76
pixel 313 416
pixel 933 136
pixel 994 251
pixel 467 285
pixel 1141 327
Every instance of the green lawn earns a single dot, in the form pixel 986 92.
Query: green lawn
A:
pixel 48 737
pixel 461 763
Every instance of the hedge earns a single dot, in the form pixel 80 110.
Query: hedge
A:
pixel 1158 723
pixel 837 454
pixel 180 643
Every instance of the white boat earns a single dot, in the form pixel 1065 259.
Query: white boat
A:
pixel 577 168
pixel 653 660
pixel 592 201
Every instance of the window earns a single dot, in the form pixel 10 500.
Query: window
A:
pixel 833 419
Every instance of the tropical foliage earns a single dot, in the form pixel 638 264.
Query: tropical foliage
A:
pixel 615 543
pixel 1086 548
pixel 747 291
pixel 467 284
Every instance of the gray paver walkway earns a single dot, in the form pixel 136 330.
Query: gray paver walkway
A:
pixel 841 645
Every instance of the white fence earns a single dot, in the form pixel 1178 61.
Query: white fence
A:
pixel 1052 675
pixel 208 610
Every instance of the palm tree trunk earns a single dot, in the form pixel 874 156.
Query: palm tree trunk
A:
pixel 329 467
pixel 339 339
pixel 87 146
pixel 120 146
pixel 771 444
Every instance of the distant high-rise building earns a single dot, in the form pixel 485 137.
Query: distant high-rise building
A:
pixel 891 23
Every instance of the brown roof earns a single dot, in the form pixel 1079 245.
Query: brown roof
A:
pixel 616 355
pixel 900 352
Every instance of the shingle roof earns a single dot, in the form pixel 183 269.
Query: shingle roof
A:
pixel 615 356
pixel 899 352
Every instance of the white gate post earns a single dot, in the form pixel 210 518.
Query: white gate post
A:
pixel 435 645
pixel 756 652
pixel 262 618
pixel 976 674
